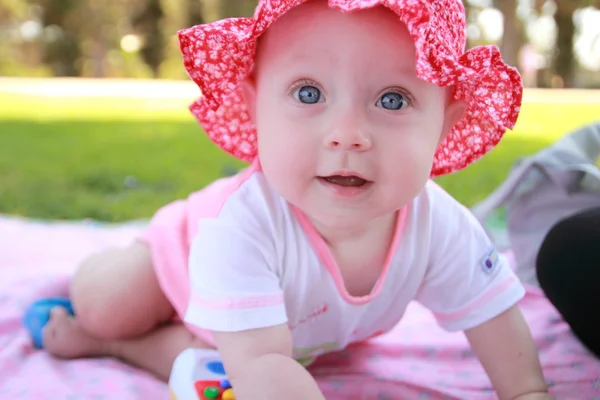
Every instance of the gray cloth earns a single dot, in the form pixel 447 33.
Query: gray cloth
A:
pixel 558 181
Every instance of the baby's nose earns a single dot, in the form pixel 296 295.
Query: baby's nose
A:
pixel 349 140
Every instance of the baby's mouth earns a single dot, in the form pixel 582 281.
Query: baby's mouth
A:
pixel 345 181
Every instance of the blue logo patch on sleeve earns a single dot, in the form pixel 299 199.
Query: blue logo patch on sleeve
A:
pixel 490 261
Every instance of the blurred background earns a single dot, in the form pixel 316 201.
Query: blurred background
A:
pixel 553 43
pixel 93 99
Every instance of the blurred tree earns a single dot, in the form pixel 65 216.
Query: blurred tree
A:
pixel 22 57
pixel 513 36
pixel 11 9
pixel 469 14
pixel 236 8
pixel 194 12
pixel 563 60
pixel 148 24
pixel 62 48
pixel 79 34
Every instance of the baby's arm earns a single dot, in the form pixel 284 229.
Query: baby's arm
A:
pixel 259 365
pixel 470 287
pixel 236 294
pixel 508 353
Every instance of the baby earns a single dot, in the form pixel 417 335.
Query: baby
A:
pixel 345 109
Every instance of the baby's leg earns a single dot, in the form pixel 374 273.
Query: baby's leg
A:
pixel 116 295
pixel 120 311
pixel 154 351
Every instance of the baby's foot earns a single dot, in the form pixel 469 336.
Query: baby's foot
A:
pixel 64 338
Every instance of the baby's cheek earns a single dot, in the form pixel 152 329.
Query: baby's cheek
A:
pixel 278 159
pixel 411 167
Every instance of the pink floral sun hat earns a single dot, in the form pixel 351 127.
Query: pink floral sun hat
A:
pixel 219 55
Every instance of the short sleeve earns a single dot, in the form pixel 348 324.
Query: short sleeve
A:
pixel 467 281
pixel 234 285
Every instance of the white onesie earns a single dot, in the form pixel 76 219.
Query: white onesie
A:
pixel 256 261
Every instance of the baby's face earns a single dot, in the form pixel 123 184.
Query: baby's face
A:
pixel 346 130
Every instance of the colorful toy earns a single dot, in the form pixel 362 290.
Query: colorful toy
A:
pixel 198 374
pixel 38 315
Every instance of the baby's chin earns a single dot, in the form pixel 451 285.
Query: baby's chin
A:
pixel 349 217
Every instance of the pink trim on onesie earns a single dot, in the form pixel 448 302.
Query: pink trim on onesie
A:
pixel 240 304
pixel 327 258
pixel 499 288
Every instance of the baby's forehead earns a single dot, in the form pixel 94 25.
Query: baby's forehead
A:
pixel 310 16
pixel 315 28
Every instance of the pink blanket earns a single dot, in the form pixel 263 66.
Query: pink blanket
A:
pixel 416 361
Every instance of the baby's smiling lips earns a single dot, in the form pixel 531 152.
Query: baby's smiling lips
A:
pixel 345 181
pixel 346 184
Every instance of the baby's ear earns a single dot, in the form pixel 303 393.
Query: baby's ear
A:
pixel 248 89
pixel 455 109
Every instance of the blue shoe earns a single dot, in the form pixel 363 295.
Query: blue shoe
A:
pixel 38 315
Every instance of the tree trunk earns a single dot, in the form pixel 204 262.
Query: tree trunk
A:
pixel 237 8
pixel 513 35
pixel 148 22
pixel 195 12
pixel 62 54
pixel 98 57
pixel 563 60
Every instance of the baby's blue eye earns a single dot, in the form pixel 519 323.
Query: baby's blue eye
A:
pixel 392 101
pixel 309 95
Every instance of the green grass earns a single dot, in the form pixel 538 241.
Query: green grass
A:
pixel 115 159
